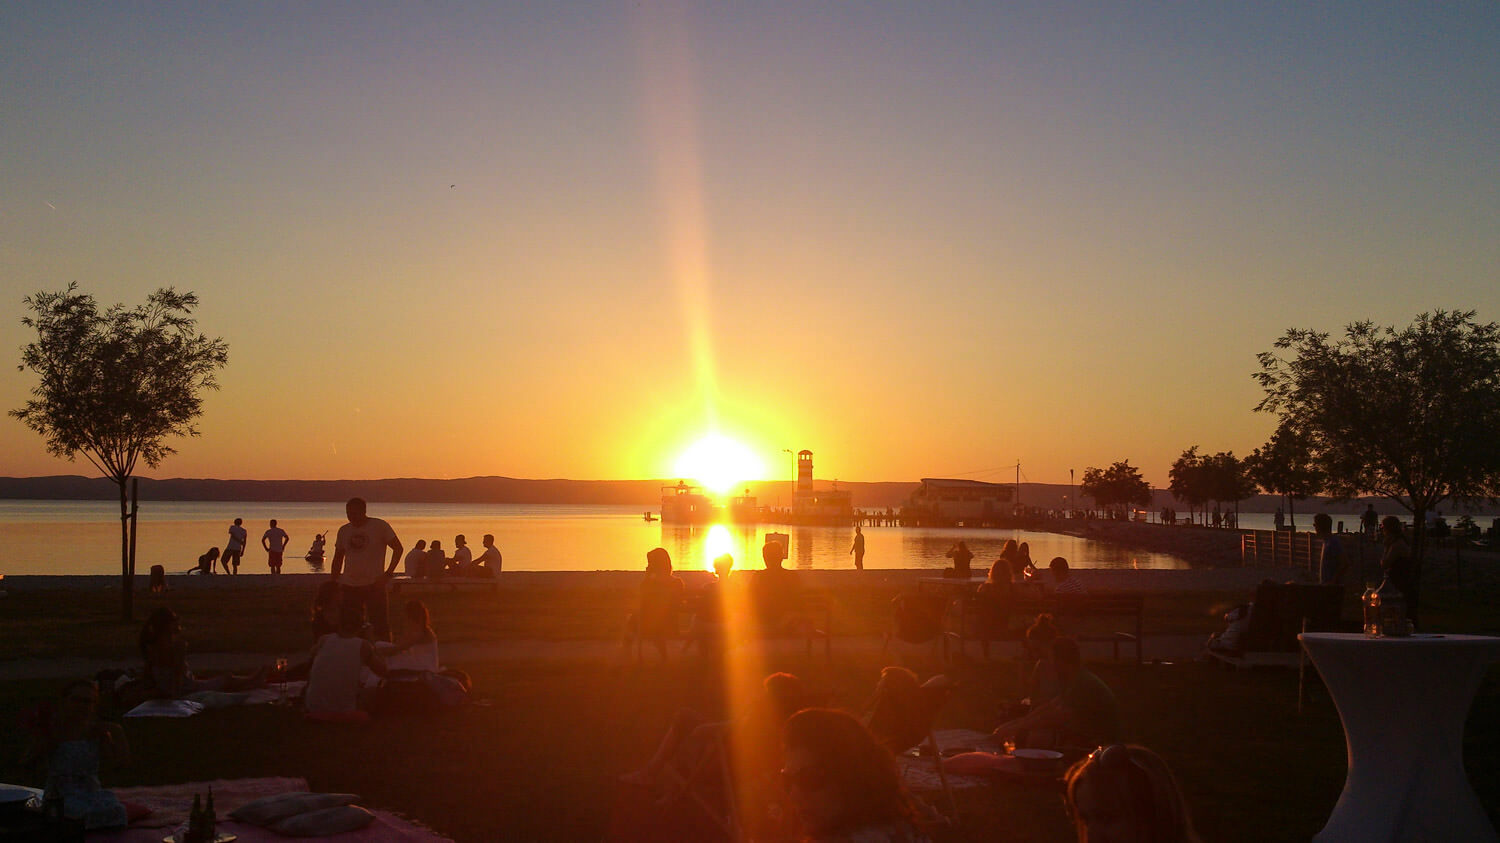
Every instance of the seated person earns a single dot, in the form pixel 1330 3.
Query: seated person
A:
pixel 462 562
pixel 487 564
pixel 901 711
pixel 414 563
pixel 708 606
pixel 71 740
pixel 167 675
pixel 1082 715
pixel 334 682
pixel 416 646
pixel 1127 792
pixel 1063 581
pixel 993 598
pixel 693 743
pixel 437 562
pixel 661 596
pixel 961 556
pixel 842 784
pixel 1232 638
pixel 774 592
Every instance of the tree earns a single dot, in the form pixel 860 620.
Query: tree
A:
pixel 1408 414
pixel 1283 466
pixel 114 386
pixel 1228 479
pixel 1186 480
pixel 1119 485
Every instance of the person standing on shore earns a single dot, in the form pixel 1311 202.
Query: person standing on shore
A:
pixel 274 541
pixel 1370 521
pixel 1279 519
pixel 362 542
pixel 858 549
pixel 235 549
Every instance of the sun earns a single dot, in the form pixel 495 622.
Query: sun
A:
pixel 719 463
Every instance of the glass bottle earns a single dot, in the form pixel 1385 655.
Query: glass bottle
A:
pixel 1392 611
pixel 1371 603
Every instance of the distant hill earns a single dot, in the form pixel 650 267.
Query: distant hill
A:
pixel 642 493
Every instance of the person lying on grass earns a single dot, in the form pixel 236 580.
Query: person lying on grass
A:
pixel 1082 715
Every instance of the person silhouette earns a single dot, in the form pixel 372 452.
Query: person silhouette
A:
pixel 858 549
pixel 362 543
pixel 274 542
pixel 238 535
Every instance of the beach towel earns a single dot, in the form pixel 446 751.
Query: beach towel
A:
pixel 166 708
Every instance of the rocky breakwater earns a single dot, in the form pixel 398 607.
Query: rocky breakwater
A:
pixel 1200 546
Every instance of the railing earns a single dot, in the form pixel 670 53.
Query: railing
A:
pixel 1278 547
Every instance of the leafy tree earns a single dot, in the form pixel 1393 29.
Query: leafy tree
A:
pixel 1283 466
pixel 114 386
pixel 1186 480
pixel 1228 479
pixel 1408 414
pixel 1119 485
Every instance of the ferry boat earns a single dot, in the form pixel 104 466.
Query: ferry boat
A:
pixel 687 504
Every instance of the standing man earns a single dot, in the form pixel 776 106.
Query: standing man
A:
pixel 1279 519
pixel 858 549
pixel 1331 560
pixel 274 541
pixel 238 535
pixel 362 542
pixel 1370 521
pixel 488 563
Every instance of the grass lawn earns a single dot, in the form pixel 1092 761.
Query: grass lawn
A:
pixel 541 760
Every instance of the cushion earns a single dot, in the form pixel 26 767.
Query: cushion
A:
pixel 270 809
pixel 325 822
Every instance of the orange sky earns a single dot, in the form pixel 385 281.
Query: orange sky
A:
pixel 919 244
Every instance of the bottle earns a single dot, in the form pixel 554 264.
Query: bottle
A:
pixel 1392 611
pixel 1371 603
pixel 210 819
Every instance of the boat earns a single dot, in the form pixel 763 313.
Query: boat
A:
pixel 650 516
pixel 687 504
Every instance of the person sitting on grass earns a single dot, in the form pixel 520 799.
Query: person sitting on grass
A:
pixel 842 784
pixel 1127 792
pixel 655 618
pixel 334 683
pixel 692 745
pixel 1063 581
pixel 167 675
pixel 206 562
pixel 901 711
pixel 1082 715
pixel 416 647
pixel 72 742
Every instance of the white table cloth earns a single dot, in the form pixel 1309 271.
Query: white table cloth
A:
pixel 1403 702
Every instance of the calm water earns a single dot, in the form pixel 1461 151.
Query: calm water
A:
pixel 83 537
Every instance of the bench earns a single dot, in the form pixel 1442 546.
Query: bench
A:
pixel 1282 610
pixel 452 583
pixel 813 611
pixel 972 623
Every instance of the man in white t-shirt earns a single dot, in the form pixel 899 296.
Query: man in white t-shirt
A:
pixel 361 544
pixel 488 562
pixel 238 535
pixel 274 541
pixel 463 558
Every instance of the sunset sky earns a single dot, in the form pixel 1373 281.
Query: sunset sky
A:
pixel 567 239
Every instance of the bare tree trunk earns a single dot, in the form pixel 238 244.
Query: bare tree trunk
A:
pixel 127 608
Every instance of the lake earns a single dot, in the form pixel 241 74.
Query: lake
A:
pixel 83 537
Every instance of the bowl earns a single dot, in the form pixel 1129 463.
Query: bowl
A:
pixel 1038 760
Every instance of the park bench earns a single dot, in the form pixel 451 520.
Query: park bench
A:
pixel 450 583
pixel 1282 610
pixel 812 609
pixel 973 623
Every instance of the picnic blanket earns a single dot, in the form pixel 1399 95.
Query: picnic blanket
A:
pixel 169 806
pixel 201 701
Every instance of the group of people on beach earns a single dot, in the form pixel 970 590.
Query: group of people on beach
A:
pixel 273 541
pixel 426 561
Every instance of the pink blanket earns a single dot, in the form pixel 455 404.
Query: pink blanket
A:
pixel 169 806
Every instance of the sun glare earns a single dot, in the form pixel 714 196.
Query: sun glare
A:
pixel 719 463
pixel 717 543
